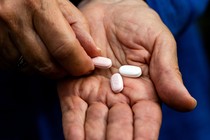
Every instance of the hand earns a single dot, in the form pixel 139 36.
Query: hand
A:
pixel 133 30
pixel 51 35
pixel 128 32
pixel 90 110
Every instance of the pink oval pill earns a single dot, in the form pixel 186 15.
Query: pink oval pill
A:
pixel 116 83
pixel 102 62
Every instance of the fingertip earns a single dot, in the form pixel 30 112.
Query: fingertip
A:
pixel 178 98
pixel 192 104
pixel 186 102
pixel 174 94
pixel 195 103
pixel 184 106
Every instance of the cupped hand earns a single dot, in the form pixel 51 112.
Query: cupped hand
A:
pixel 51 35
pixel 128 32
pixel 135 31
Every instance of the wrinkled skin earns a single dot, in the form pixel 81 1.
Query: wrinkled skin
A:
pixel 51 35
pixel 128 32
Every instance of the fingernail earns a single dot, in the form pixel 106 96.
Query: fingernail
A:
pixel 99 49
pixel 195 101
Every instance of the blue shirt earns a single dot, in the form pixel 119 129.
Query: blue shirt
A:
pixel 181 18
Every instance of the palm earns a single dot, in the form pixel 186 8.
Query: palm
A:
pixel 94 95
pixel 132 35
pixel 90 104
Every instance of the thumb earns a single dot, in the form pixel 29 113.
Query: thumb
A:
pixel 166 75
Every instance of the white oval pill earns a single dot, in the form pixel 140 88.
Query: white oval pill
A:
pixel 116 83
pixel 102 62
pixel 130 71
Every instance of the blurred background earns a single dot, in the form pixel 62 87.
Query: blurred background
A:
pixel 204 24
pixel 194 64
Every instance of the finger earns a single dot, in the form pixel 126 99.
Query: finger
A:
pixel 145 105
pixel 73 112
pixel 60 39
pixel 27 41
pixel 147 120
pixel 8 53
pixel 96 121
pixel 166 75
pixel 73 117
pixel 120 123
pixel 80 27
pixel 35 53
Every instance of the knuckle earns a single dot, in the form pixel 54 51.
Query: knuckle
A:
pixel 33 4
pixel 52 70
pixel 7 48
pixel 5 11
pixel 8 16
pixel 16 15
pixel 65 49
pixel 9 9
pixel 46 69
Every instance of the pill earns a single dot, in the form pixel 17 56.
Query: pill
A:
pixel 130 71
pixel 116 83
pixel 102 62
